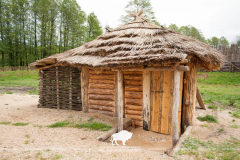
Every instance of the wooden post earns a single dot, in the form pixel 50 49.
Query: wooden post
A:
pixel 176 94
pixel 84 88
pixel 40 88
pixel 189 95
pixel 200 101
pixel 57 86
pixel 146 100
pixel 116 95
pixel 120 99
pixel 70 89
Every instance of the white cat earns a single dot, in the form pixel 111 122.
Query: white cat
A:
pixel 123 136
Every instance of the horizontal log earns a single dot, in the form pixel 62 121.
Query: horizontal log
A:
pixel 138 123
pixel 102 86
pixel 133 72
pixel 102 72
pixel 133 107
pixel 102 108
pixel 133 82
pixel 114 130
pixel 96 81
pixel 102 77
pixel 48 61
pixel 137 102
pixel 101 102
pixel 101 97
pixel 163 68
pixel 133 77
pixel 101 91
pixel 134 117
pixel 133 88
pixel 102 112
pixel 131 94
pixel 133 112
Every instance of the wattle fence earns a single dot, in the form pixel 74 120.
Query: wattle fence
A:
pixel 232 58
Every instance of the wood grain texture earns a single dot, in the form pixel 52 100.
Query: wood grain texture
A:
pixel 175 136
pixel 102 112
pixel 97 81
pixel 101 86
pixel 134 88
pixel 133 112
pixel 101 91
pixel 133 83
pixel 101 77
pixel 103 108
pixel 84 88
pixel 130 101
pixel 134 95
pixel 146 99
pixel 120 99
pixel 101 97
pixel 101 102
pixel 133 107
pixel 199 99
pixel 134 117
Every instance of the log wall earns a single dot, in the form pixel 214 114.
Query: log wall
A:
pixel 101 92
pixel 134 96
pixel 60 88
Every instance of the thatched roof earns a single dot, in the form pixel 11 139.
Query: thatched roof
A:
pixel 138 43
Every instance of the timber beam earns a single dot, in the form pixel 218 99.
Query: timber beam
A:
pixel 178 68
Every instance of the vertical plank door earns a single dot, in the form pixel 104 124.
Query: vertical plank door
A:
pixel 162 86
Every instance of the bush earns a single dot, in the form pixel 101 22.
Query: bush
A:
pixel 208 118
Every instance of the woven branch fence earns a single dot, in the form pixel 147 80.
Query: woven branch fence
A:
pixel 60 88
pixel 232 58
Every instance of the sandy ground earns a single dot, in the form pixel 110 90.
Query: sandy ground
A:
pixel 70 143
pixel 73 143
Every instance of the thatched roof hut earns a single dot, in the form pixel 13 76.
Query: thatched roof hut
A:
pixel 138 43
pixel 138 70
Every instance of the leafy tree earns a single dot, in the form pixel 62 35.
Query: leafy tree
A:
pixel 238 40
pixel 192 32
pixel 93 27
pixel 223 41
pixel 173 27
pixel 136 6
pixel 215 42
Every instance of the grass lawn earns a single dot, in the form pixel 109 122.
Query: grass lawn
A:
pixel 221 87
pixel 20 79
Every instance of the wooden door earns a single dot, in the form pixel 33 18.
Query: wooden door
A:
pixel 162 86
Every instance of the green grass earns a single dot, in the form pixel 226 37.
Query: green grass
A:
pixel 19 79
pixel 9 92
pixel 234 126
pixel 5 123
pixel 59 124
pixel 208 118
pixel 222 78
pixel 227 150
pixel 20 124
pixel 236 114
pixel 214 107
pixel 222 87
pixel 26 142
pixel 94 126
pixel 58 156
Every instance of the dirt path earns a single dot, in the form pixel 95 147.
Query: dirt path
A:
pixel 35 141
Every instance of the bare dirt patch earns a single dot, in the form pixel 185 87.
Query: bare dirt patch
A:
pixel 35 140
pixel 17 89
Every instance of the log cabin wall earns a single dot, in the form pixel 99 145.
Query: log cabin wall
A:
pixel 134 96
pixel 101 92
pixel 60 88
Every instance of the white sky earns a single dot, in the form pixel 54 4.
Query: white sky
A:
pixel 212 17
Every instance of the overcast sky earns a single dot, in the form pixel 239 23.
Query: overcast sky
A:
pixel 212 17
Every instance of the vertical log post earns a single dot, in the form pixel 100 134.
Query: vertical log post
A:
pixel 189 95
pixel 199 99
pixel 40 89
pixel 120 99
pixel 57 86
pixel 70 89
pixel 116 95
pixel 146 100
pixel 176 94
pixel 84 88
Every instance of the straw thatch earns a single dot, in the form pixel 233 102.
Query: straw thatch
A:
pixel 139 43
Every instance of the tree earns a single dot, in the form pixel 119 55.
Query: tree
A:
pixel 223 41
pixel 173 27
pixel 93 27
pixel 136 6
pixel 215 42
pixel 193 32
pixel 237 39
